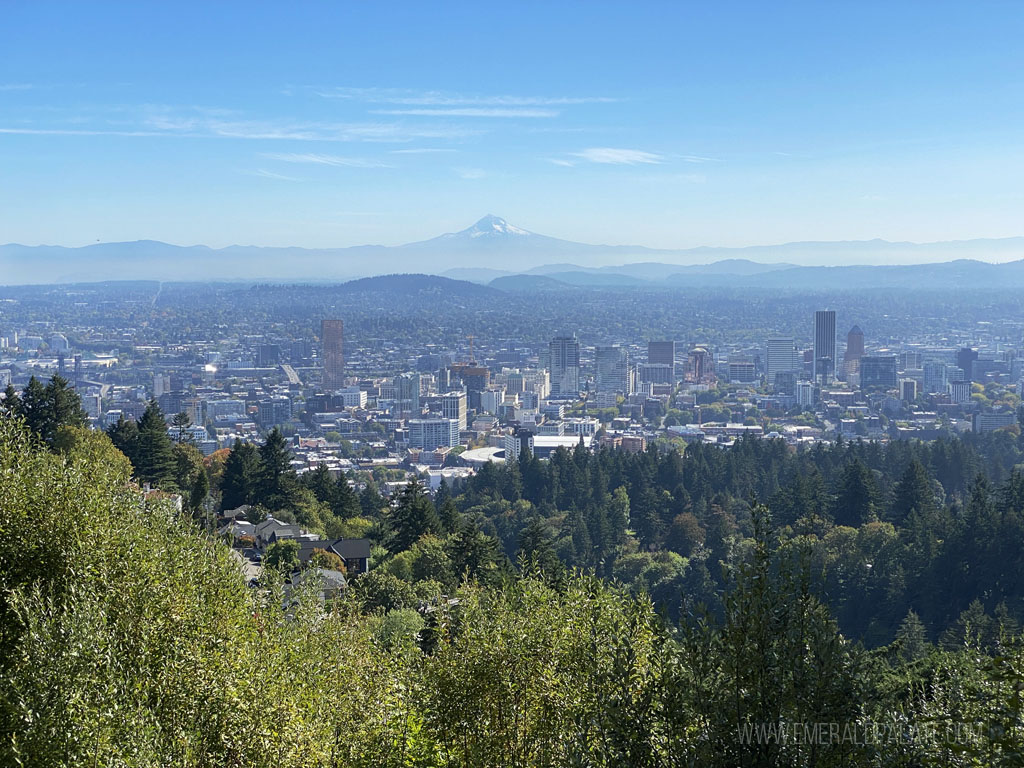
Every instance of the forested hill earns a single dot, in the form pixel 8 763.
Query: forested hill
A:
pixel 935 529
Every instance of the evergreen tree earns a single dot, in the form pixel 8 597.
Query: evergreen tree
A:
pixel 914 492
pixel 124 434
pixel 370 500
pixel 155 459
pixel 912 637
pixel 346 503
pixel 48 408
pixel 412 517
pixel 241 473
pixel 447 512
pixel 276 475
pixel 12 401
pixel 857 500
pixel 474 553
pixel 33 406
pixel 181 422
pixel 200 490
pixel 536 550
pixel 577 534
pixel 320 483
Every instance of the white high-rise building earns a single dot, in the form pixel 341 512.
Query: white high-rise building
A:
pixel 613 371
pixel 453 406
pixel 781 357
pixel 428 434
pixel 804 393
pixel 565 366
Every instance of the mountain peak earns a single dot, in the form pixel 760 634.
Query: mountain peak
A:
pixel 491 225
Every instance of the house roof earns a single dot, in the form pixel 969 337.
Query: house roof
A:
pixel 351 549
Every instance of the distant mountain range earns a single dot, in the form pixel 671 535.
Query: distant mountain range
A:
pixel 492 250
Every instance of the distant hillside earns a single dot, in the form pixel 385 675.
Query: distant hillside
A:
pixel 417 285
pixel 488 249
pixel 528 283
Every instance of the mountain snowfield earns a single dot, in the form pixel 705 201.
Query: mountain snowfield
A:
pixel 490 248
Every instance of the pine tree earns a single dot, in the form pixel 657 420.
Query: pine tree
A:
pixel 912 637
pixel 276 475
pixel 914 492
pixel 346 502
pixel 320 483
pixel 33 406
pixel 47 409
pixel 124 434
pixel 156 463
pixel 181 422
pixel 241 472
pixel 412 517
pixel 12 401
pixel 370 500
pixel 857 500
pixel 536 550
pixel 200 490
pixel 447 512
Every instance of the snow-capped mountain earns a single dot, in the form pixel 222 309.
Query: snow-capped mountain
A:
pixel 490 226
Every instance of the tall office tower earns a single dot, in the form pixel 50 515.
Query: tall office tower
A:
pixel 407 388
pixel 700 367
pixel 662 353
pixel 565 366
pixel 935 377
pixel 965 361
pixel 332 333
pixel 61 369
pixel 613 371
pixel 453 406
pixel 780 357
pixel 445 379
pixel 854 351
pixel 824 345
pixel 78 369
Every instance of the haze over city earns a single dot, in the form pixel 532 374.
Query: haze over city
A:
pixel 663 125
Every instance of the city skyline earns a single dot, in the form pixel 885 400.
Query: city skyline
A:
pixel 756 126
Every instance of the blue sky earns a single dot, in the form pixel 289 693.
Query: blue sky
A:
pixel 662 124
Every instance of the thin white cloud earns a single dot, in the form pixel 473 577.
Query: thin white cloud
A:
pixel 470 112
pixel 470 173
pixel 335 160
pixel 698 159
pixel 421 151
pixel 76 132
pixel 561 162
pixel 613 156
pixel 207 124
pixel 16 86
pixel 442 99
pixel 265 174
